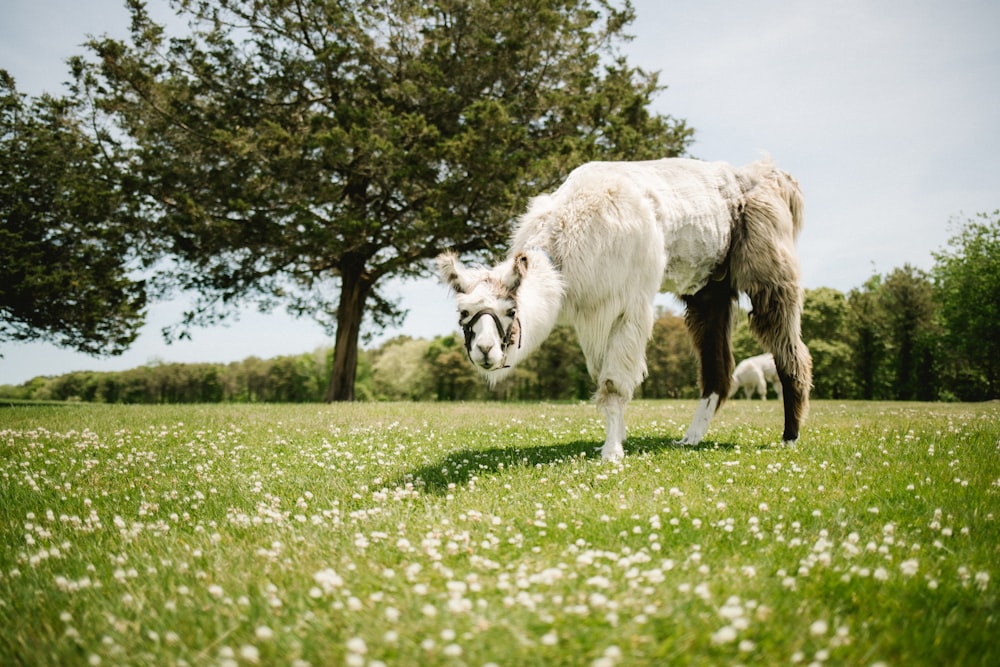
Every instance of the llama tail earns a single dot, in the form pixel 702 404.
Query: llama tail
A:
pixel 792 194
pixel 764 179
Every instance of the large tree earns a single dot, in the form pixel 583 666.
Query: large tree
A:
pixel 66 269
pixel 824 330
pixel 967 286
pixel 910 317
pixel 302 151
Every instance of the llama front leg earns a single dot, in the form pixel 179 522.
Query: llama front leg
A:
pixel 617 361
pixel 702 418
pixel 614 412
pixel 709 321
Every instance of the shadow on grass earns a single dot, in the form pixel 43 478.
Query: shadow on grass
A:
pixel 459 467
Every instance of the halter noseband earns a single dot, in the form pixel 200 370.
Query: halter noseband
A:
pixel 506 337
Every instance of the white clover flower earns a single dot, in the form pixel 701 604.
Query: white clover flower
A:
pixel 328 580
pixel 909 567
pixel 701 590
pixel 732 609
pixel 250 654
pixel 818 628
pixel 724 635
pixel 357 645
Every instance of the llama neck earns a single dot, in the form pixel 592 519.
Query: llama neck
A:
pixel 539 300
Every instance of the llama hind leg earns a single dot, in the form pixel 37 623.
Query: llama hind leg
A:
pixel 764 265
pixel 709 321
pixel 775 320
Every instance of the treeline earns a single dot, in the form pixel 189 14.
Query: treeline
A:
pixel 892 339
pixel 287 379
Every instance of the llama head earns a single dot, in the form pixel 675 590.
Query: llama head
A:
pixel 487 310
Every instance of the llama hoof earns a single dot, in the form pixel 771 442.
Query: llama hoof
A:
pixel 690 439
pixel 791 444
pixel 612 452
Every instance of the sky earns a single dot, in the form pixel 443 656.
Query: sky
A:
pixel 886 112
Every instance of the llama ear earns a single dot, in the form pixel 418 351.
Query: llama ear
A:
pixel 449 271
pixel 517 272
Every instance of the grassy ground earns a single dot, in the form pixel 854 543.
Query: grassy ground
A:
pixel 408 534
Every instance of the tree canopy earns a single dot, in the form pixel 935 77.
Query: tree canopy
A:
pixel 299 153
pixel 66 261
pixel 967 281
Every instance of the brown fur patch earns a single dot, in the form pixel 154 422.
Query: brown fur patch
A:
pixel 709 322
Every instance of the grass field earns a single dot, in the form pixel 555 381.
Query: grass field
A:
pixel 471 534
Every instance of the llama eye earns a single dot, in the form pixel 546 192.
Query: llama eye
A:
pixel 463 314
pixel 510 313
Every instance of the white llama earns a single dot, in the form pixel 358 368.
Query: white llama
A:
pixel 753 374
pixel 596 251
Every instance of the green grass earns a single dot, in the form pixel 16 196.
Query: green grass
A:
pixel 406 534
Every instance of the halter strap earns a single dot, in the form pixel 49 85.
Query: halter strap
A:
pixel 505 336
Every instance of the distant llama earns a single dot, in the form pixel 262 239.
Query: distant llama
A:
pixel 595 252
pixel 753 374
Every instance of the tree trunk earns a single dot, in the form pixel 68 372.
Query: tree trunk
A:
pixel 354 289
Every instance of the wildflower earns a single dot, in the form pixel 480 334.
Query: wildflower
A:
pixel 724 635
pixel 818 628
pixel 732 609
pixel 328 580
pixel 612 656
pixel 356 648
pixel 701 590
pixel 909 567
pixel 250 654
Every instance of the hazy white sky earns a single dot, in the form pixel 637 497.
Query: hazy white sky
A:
pixel 885 111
